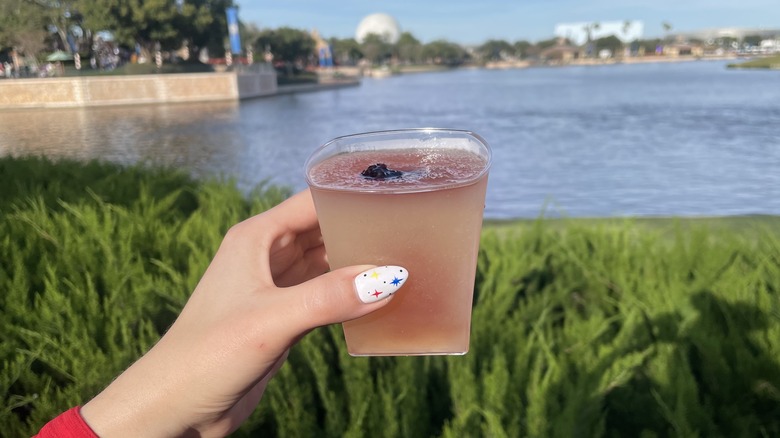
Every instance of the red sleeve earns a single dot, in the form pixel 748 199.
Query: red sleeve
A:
pixel 68 424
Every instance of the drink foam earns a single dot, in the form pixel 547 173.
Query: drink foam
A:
pixel 423 169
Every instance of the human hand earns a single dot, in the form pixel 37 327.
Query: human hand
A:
pixel 265 288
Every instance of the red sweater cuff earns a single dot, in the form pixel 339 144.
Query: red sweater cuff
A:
pixel 68 424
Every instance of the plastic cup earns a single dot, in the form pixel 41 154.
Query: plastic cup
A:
pixel 428 220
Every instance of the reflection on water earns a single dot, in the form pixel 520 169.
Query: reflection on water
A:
pixel 658 139
pixel 197 137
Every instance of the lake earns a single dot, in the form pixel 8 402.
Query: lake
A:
pixel 683 139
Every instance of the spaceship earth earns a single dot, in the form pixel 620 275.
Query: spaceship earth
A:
pixel 380 24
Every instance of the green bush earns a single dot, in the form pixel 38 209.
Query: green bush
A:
pixel 769 62
pixel 586 328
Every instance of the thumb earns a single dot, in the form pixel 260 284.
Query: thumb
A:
pixel 343 294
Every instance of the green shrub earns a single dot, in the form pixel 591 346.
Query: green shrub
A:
pixel 586 328
pixel 768 62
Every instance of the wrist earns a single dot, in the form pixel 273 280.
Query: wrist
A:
pixel 140 402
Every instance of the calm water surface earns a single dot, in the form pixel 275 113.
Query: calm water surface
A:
pixel 657 139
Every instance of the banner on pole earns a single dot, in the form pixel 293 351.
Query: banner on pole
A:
pixel 232 23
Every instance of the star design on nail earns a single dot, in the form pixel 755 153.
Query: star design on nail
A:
pixel 380 282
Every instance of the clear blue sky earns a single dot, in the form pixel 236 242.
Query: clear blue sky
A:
pixel 475 21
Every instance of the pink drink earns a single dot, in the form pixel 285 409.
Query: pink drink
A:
pixel 428 221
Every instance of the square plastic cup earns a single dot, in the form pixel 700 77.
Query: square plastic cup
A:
pixel 427 220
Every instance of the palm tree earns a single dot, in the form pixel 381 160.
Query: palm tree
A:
pixel 667 27
pixel 626 27
pixel 589 29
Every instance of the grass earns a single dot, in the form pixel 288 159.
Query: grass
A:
pixel 770 62
pixel 580 327
pixel 297 78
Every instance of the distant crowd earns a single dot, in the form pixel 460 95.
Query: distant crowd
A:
pixel 8 70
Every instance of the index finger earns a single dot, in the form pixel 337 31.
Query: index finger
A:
pixel 296 214
pixel 277 227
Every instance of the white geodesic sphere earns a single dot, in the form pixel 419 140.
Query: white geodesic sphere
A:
pixel 380 24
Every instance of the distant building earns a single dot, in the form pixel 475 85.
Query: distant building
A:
pixel 560 53
pixel 577 33
pixel 739 33
pixel 682 49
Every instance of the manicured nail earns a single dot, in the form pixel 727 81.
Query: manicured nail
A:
pixel 380 282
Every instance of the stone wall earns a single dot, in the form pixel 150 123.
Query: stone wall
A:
pixel 133 90
pixel 255 85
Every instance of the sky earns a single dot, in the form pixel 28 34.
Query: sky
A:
pixel 476 21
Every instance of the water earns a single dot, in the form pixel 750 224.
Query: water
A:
pixel 688 139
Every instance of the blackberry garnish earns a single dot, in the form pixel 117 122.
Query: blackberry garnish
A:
pixel 380 171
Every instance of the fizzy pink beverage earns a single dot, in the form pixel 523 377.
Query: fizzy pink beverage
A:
pixel 412 198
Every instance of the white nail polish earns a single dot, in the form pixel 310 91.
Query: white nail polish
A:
pixel 380 282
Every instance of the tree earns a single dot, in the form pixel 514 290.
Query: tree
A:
pixel 444 52
pixel 408 48
pixel 626 28
pixel 345 51
pixel 590 29
pixel 146 23
pixel 727 43
pixel 200 22
pixel 522 49
pixel 647 46
pixel 611 43
pixel 23 24
pixel 375 48
pixel 30 41
pixel 667 26
pixel 203 23
pixel 286 44
pixel 753 40
pixel 249 32
pixel 544 44
pixel 494 50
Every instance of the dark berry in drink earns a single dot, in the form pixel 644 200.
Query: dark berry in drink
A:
pixel 380 171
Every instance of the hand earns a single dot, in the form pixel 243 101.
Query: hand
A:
pixel 265 288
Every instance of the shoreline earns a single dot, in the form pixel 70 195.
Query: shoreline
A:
pixel 749 225
pixel 41 93
pixel 158 89
pixel 506 65
pixel 322 85
pixel 772 219
pixel 359 73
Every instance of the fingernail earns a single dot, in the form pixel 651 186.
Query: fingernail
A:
pixel 379 283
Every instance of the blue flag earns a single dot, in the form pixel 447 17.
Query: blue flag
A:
pixel 232 22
